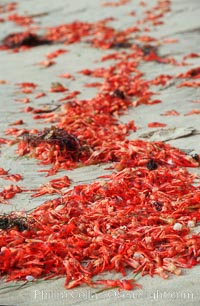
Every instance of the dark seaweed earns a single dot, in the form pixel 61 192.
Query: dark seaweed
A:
pixel 151 165
pixel 55 136
pixel 147 49
pixel 17 40
pixel 158 206
pixel 121 45
pixel 195 157
pixel 10 221
pixel 119 94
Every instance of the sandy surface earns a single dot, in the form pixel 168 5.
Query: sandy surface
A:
pixel 181 23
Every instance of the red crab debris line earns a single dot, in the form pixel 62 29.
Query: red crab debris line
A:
pixel 96 119
pixel 99 33
pixel 139 219
pixel 149 158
